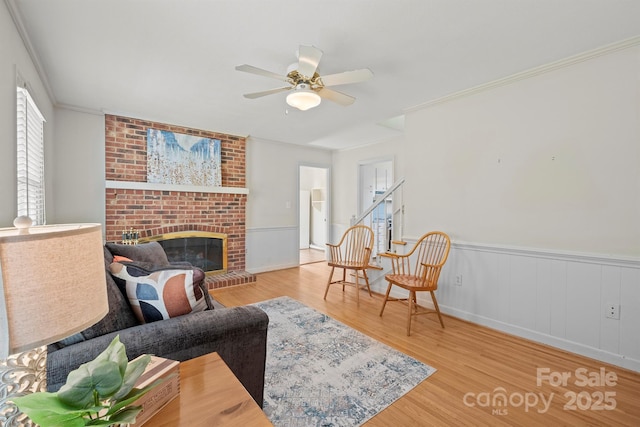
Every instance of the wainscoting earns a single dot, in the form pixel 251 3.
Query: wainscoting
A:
pixel 271 248
pixel 558 299
pixel 550 297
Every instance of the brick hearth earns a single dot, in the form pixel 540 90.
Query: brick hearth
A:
pixel 231 278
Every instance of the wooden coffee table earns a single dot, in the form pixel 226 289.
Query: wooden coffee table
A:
pixel 210 395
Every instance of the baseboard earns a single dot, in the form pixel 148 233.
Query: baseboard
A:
pixel 559 343
pixel 272 268
pixel 570 346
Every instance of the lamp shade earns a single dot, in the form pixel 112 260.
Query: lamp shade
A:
pixel 52 284
pixel 303 98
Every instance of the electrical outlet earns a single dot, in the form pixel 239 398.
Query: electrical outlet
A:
pixel 458 279
pixel 613 311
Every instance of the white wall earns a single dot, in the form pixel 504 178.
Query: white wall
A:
pixel 538 184
pixel 272 204
pixel 272 177
pixel 79 179
pixel 15 57
pixel 551 161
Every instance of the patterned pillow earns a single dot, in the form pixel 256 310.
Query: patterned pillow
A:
pixel 159 293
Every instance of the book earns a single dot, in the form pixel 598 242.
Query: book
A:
pixel 160 395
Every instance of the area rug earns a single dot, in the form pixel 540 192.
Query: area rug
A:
pixel 320 372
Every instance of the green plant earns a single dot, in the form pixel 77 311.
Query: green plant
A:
pixel 97 393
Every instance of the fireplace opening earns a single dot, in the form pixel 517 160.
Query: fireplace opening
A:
pixel 205 250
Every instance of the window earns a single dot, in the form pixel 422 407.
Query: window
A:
pixel 30 131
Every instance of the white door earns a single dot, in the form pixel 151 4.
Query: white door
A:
pixel 305 218
pixel 318 218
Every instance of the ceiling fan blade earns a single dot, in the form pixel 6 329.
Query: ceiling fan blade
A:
pixel 354 76
pixel 335 96
pixel 255 95
pixel 259 71
pixel 308 60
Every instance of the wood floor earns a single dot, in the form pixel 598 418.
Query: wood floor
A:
pixel 307 256
pixel 476 365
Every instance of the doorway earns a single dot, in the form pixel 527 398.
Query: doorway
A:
pixel 313 208
pixel 374 179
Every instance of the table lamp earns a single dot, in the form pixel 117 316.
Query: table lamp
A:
pixel 52 285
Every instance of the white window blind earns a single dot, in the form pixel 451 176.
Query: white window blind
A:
pixel 30 127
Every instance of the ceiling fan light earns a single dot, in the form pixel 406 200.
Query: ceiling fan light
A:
pixel 303 99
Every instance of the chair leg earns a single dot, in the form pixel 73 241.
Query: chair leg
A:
pixel 344 278
pixel 366 279
pixel 386 298
pixel 410 302
pixel 357 290
pixel 329 283
pixel 435 304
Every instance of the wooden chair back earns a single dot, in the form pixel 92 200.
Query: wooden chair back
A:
pixel 354 248
pixel 426 258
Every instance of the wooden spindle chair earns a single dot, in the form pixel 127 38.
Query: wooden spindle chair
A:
pixel 352 253
pixel 429 254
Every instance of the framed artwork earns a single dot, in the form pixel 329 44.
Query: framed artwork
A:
pixel 175 158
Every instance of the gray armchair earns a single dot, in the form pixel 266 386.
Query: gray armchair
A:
pixel 237 334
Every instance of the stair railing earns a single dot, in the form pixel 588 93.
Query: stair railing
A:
pixel 387 228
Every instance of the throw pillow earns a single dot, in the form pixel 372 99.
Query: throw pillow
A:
pixel 145 252
pixel 160 293
pixel 198 276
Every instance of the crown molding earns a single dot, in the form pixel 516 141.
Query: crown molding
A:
pixel 80 109
pixel 14 11
pixel 566 62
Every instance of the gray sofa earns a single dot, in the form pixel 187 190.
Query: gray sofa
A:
pixel 237 334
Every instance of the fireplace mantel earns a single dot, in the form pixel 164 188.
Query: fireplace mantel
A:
pixel 137 185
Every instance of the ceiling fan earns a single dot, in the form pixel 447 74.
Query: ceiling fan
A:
pixel 307 86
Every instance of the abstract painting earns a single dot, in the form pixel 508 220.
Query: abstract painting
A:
pixel 175 158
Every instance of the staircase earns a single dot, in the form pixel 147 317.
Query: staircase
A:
pixel 385 216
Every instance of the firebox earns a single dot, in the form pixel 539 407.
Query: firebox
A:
pixel 202 249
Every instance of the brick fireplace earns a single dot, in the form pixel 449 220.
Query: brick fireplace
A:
pixel 131 203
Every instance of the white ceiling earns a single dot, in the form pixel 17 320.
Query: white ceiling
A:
pixel 173 60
